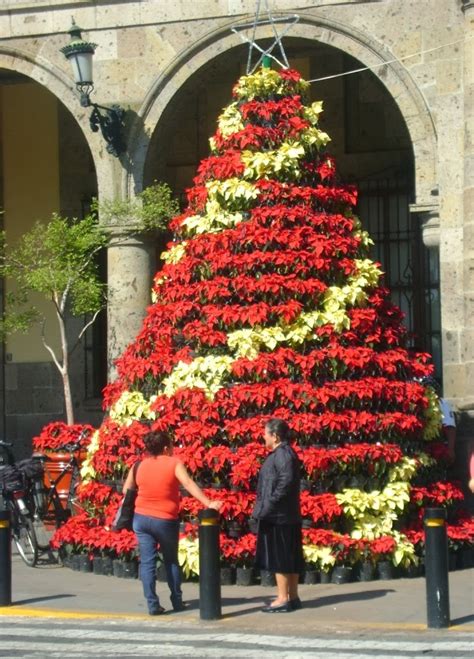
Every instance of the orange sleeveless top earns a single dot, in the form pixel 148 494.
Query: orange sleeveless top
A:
pixel 158 487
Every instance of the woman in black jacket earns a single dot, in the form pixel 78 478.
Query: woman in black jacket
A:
pixel 277 510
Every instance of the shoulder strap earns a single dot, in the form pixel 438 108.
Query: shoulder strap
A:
pixel 134 470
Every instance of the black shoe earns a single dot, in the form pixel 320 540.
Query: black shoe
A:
pixel 157 612
pixel 181 606
pixel 283 608
pixel 295 604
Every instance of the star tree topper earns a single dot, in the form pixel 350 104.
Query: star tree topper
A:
pixel 252 27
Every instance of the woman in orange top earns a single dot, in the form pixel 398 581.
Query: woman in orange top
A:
pixel 156 519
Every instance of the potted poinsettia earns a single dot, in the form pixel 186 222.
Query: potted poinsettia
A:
pixel 124 544
pixel 382 550
pixel 318 559
pixel 188 551
pixel 58 437
pixel 73 543
pixel 55 443
pixel 227 560
pixel 344 550
pixel 244 552
pixel 372 552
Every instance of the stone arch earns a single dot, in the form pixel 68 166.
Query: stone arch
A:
pixel 56 81
pixel 395 77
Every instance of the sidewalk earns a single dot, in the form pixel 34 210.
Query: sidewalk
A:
pixel 398 604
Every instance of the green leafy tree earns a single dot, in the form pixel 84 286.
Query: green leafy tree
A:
pixel 151 209
pixel 56 259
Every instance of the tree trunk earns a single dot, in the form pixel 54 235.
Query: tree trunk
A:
pixel 64 370
pixel 68 398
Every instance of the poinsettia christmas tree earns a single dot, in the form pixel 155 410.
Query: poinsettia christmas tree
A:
pixel 269 305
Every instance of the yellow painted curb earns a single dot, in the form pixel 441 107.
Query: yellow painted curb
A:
pixel 54 613
pixel 100 615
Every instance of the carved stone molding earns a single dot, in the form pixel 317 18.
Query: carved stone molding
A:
pixel 430 228
pixel 467 5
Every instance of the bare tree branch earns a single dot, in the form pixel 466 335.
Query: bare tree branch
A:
pixel 50 350
pixel 84 329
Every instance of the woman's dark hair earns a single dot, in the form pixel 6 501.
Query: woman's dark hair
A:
pixel 156 442
pixel 279 428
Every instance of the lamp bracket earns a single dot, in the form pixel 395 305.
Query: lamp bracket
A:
pixel 110 123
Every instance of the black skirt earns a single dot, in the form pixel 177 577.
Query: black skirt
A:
pixel 279 548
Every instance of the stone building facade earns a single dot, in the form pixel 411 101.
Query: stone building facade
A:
pixel 402 129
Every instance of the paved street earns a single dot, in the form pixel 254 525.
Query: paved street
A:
pixel 45 637
pixel 57 612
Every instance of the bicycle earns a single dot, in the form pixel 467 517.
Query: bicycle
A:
pixel 17 489
pixel 50 509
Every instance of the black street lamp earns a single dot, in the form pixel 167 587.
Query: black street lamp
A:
pixel 108 120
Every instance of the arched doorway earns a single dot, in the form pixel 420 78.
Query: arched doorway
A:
pixel 46 166
pixel 372 147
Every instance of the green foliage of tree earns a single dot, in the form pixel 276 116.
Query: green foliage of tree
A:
pixel 56 259
pixel 150 210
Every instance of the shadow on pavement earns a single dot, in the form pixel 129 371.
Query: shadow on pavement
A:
pixel 31 600
pixel 319 602
pixel 330 600
pixel 464 619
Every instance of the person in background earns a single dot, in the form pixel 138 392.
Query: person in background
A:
pixel 448 421
pixel 277 509
pixel 471 473
pixel 156 519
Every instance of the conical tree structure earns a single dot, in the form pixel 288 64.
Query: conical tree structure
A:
pixel 268 305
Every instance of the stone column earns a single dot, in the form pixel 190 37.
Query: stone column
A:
pixel 130 267
pixel 467 342
pixel 465 436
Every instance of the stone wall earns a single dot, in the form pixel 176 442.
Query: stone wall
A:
pixel 148 51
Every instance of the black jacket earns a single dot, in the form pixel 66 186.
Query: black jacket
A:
pixel 278 488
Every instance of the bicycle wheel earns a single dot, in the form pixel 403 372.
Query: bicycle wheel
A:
pixel 24 537
pixel 43 535
pixel 73 503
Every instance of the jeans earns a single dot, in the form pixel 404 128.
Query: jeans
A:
pixel 150 532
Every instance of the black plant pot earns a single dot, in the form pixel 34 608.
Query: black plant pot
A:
pixel 227 576
pixel 385 570
pixel 97 565
pixel 267 578
pixel 341 574
pixel 310 577
pixel 413 571
pixel 357 482
pixel 325 576
pixel 234 530
pixel 102 565
pixel 340 482
pixel 161 573
pixel 75 562
pixel 244 576
pixel 452 561
pixel 467 557
pixel 107 566
pixel 85 563
pixel 125 569
pixel 366 571
pixel 253 525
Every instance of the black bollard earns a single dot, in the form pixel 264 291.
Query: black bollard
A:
pixel 5 557
pixel 209 565
pixel 436 568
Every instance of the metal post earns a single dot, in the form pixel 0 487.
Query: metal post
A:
pixel 436 568
pixel 209 566
pixel 5 557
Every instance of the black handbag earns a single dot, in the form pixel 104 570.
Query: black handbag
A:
pixel 124 517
